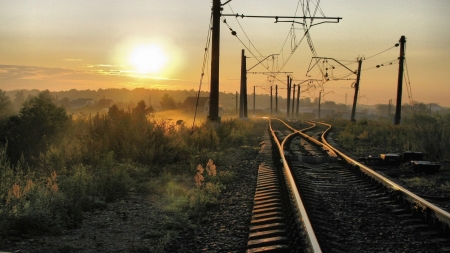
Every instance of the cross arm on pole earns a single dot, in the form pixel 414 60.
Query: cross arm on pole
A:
pixel 328 58
pixel 260 62
pixel 277 18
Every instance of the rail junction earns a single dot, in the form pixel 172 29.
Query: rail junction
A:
pixel 315 198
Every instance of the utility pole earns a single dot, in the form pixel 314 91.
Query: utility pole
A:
pixel 276 99
pixel 254 100
pixel 271 100
pixel 298 99
pixel 389 109
pixel 237 114
pixel 355 98
pixel 320 95
pixel 288 105
pixel 243 97
pixel 215 56
pixel 293 101
pixel 398 108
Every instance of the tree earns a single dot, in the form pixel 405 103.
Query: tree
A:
pixel 37 125
pixel 167 102
pixel 6 107
pixel 141 111
pixel 19 99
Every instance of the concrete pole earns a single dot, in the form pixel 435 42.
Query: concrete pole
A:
pixel 293 101
pixel 298 99
pixel 398 108
pixel 276 99
pixel 288 105
pixel 243 95
pixel 320 96
pixel 215 56
pixel 271 100
pixel 254 100
pixel 355 98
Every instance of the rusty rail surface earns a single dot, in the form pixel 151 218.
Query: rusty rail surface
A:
pixel 301 215
pixel 429 210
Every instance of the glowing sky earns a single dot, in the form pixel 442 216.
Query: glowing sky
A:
pixel 85 44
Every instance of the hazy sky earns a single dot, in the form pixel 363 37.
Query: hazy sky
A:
pixel 85 44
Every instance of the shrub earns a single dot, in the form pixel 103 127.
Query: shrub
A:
pixel 207 189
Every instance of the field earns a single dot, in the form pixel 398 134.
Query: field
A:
pixel 59 173
pixel 427 134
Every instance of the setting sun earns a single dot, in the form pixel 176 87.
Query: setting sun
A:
pixel 148 58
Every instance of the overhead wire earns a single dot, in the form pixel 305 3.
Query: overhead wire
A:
pixel 205 60
pixel 234 33
pixel 232 11
pixel 396 45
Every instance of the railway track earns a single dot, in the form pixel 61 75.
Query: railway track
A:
pixel 323 201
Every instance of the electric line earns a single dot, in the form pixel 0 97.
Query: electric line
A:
pixel 408 83
pixel 382 64
pixel 229 5
pixel 396 45
pixel 205 60
pixel 250 51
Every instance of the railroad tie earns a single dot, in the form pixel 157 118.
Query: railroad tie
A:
pixel 267 229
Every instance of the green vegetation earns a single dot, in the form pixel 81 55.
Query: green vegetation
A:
pixel 54 167
pixel 420 132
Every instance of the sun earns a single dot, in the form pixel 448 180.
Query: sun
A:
pixel 148 59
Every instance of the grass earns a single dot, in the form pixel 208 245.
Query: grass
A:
pixel 427 134
pixel 102 158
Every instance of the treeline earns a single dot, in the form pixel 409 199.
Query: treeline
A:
pixel 53 166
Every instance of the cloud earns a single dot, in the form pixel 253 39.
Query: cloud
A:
pixel 103 76
pixel 8 72
pixel 71 60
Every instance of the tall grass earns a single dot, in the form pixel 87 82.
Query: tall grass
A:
pixel 105 156
pixel 428 134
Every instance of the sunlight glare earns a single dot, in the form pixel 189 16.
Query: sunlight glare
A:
pixel 148 58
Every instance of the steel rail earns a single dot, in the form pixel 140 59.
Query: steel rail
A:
pixel 318 143
pixel 428 208
pixel 302 216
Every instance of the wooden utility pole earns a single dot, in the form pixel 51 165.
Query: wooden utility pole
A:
pixel 243 97
pixel 355 98
pixel 398 108
pixel 215 55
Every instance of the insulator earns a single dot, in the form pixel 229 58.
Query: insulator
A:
pixel 378 66
pixel 233 33
pixel 396 44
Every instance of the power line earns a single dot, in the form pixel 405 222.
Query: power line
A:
pixel 205 60
pixel 396 45
pixel 244 31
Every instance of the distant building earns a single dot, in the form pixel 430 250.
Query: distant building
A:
pixel 203 104
pixel 105 103
pixel 80 103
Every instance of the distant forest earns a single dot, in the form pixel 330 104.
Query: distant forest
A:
pixel 92 101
